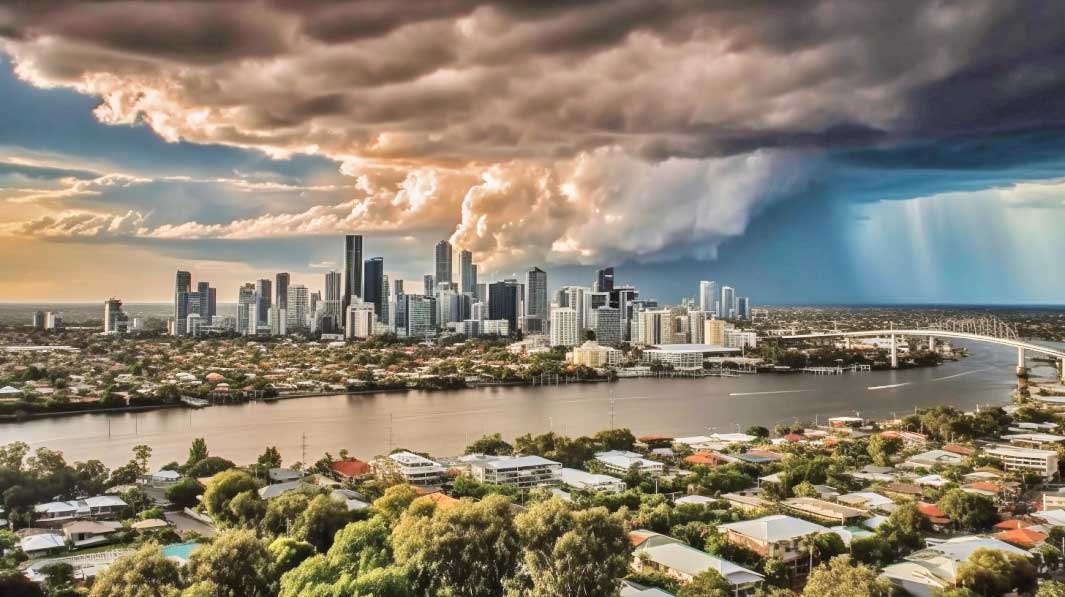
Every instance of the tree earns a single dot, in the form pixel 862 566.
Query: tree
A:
pixel 758 431
pixel 708 583
pixel 841 578
pixel 394 502
pixel 209 467
pixel 237 564
pixel 969 511
pixel 144 573
pixel 491 445
pixel 615 439
pixel 573 553
pixel 269 459
pixel 905 527
pixel 90 477
pixel 282 512
pixel 359 550
pixel 184 493
pixel 881 449
pixel 288 553
pixel 14 583
pixel 197 452
pixel 222 489
pixel 1051 588
pixel 993 572
pixel 777 573
pixel 873 551
pixel 142 454
pixel 320 521
pixel 247 509
pixel 59 580
pixel 470 549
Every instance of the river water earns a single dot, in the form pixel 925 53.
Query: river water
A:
pixel 443 422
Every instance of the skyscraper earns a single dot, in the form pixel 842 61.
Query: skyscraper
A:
pixel 352 268
pixel 467 274
pixel 247 310
pixel 604 280
pixel 607 326
pixel 333 302
pixel 743 307
pixel 397 287
pixel 564 329
pixel 182 288
pixel 374 286
pixel 443 262
pixel 297 315
pixel 115 321
pixel 535 301
pixel 429 283
pixel 281 288
pixel 728 303
pixel 707 295
pixel 265 288
pixel 504 299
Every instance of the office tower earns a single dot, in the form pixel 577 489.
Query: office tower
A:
pixel 352 268
pixel 397 288
pixel 115 321
pixel 564 329
pixel 53 320
pixel 38 320
pixel 479 311
pixel 697 326
pixel 604 280
pixel 182 288
pixel 247 310
pixel 728 303
pixel 443 262
pixel 313 308
pixel 418 316
pixel 385 316
pixel 281 282
pixel 429 284
pixel 360 320
pixel 298 313
pixel 535 301
pixel 203 293
pixel 504 302
pixel 467 273
pixel 482 292
pixel 593 301
pixel 621 298
pixel 265 288
pixel 608 326
pixel 707 295
pixel 374 284
pixel 715 331
pixel 743 308
pixel 334 302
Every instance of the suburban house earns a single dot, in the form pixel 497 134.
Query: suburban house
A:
pixel 779 536
pixel 86 533
pixel 868 500
pixel 352 469
pixel 414 469
pixel 933 458
pixel 924 573
pixel 43 544
pixel 585 481
pixel 101 506
pixel 620 462
pixel 823 511
pixel 655 552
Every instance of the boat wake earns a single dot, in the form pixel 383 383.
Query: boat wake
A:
pixel 894 385
pixel 771 392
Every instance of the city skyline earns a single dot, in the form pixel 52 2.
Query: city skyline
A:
pixel 829 171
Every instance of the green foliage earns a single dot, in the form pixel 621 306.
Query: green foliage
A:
pixel 905 528
pixel 235 564
pixel 470 549
pixel 655 579
pixel 968 511
pixel 569 552
pixel 992 572
pixel 1051 588
pixel 14 583
pixel 881 449
pixel 144 573
pixel 209 466
pixel 491 445
pixel 287 553
pixel 320 521
pixel 222 489
pixel 197 452
pixel 184 493
pixel 247 509
pixel 469 487
pixel 873 551
pixel 708 583
pixel 358 563
pixel 394 502
pixel 615 439
pixel 842 578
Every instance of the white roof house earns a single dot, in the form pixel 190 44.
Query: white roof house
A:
pixel 694 499
pixel 38 544
pixel 774 529
pixel 932 458
pixel 679 560
pixel 867 499
pixel 925 572
pixel 631 589
pixel 620 461
pixel 582 480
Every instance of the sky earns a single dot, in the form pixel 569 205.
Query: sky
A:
pixel 813 151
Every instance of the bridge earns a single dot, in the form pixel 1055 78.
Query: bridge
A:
pixel 987 329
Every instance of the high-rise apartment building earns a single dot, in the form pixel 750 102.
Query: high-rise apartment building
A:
pixel 115 321
pixel 697 326
pixel 443 262
pixel 182 289
pixel 332 320
pixel 608 326
pixel 429 285
pixel 298 313
pixel 281 282
pixel 265 288
pixel 564 329
pixel 352 268
pixel 727 310
pixel 361 320
pixel 743 307
pixel 707 295
pixel 467 273
pixel 247 310
pixel 576 298
pixel 418 316
pixel 715 331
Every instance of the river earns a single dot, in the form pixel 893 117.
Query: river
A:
pixel 443 422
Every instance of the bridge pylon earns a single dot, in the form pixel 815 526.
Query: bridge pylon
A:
pixel 1022 370
pixel 894 351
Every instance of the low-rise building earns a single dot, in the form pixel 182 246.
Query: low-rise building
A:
pixel 778 536
pixel 655 552
pixel 823 511
pixel 1041 462
pixel 593 354
pixel 926 572
pixel 621 462
pixel 412 468
pixel 585 481
pixel 524 472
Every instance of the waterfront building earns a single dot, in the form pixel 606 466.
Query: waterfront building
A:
pixel 697 326
pixel 412 468
pixel 714 332
pixel 620 462
pixel 740 339
pixel 352 268
pixel 564 330
pixel 684 356
pixel 536 308
pixel 592 354
pixel 608 326
pixel 523 472
pixel 443 262
pixel 115 321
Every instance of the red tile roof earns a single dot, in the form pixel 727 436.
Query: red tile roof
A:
pixel 794 437
pixel 932 513
pixel 351 468
pixel 1021 537
pixel 704 459
pixel 1013 523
